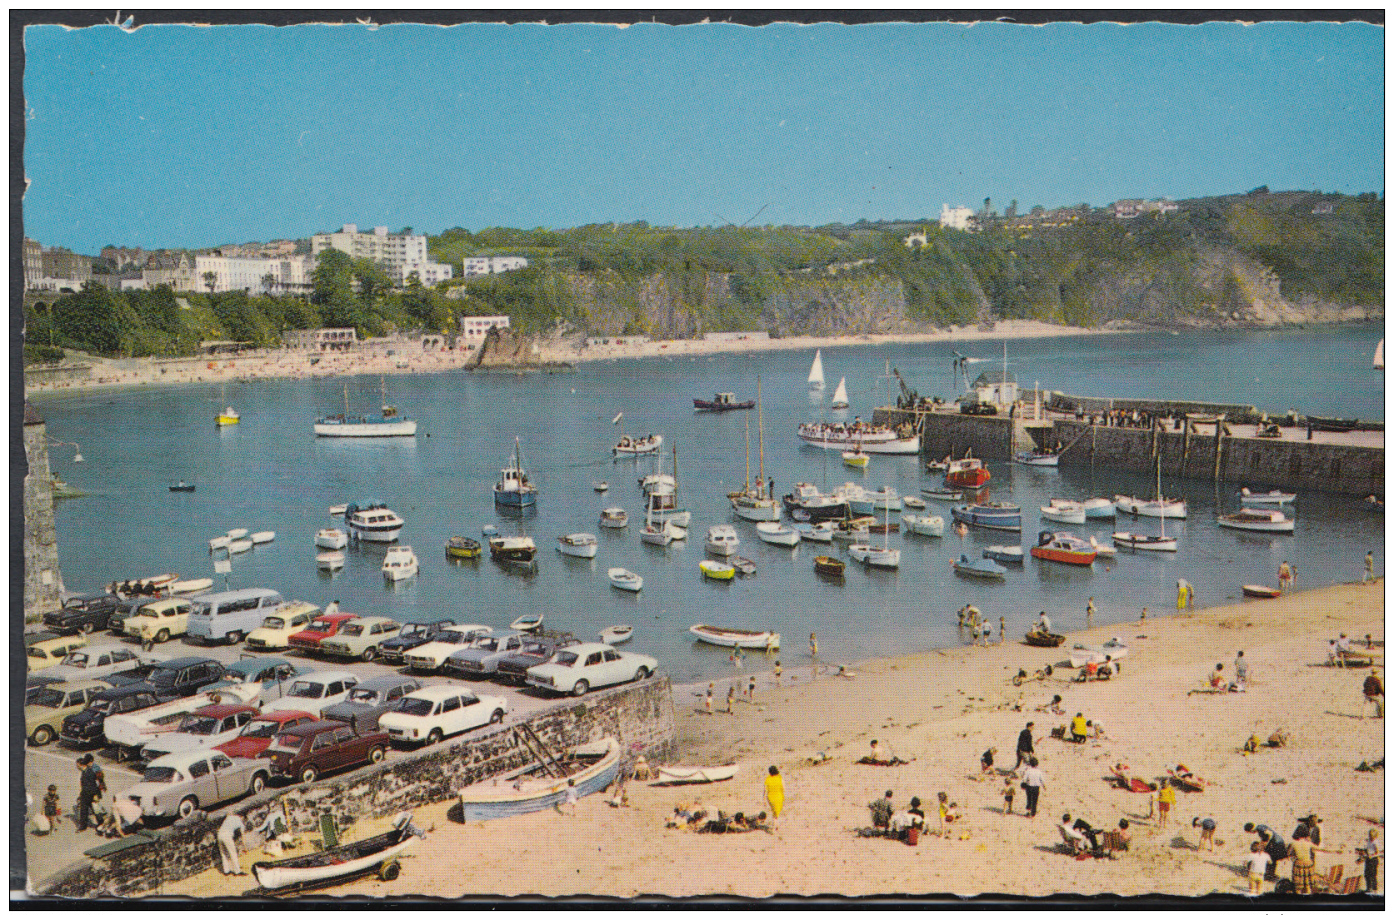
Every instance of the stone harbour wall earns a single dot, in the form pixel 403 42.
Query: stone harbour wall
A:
pixel 43 580
pixel 640 716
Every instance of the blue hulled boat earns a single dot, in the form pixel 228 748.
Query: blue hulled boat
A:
pixel 591 766
pixel 1002 516
pixel 513 489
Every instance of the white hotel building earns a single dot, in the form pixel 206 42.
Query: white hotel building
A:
pixel 289 274
pixel 400 255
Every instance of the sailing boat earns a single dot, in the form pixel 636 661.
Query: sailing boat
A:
pixel 229 416
pixel 1379 355
pixel 390 423
pixel 661 495
pixel 755 504
pixel 815 374
pixel 1157 543
pixel 883 555
pixel 513 489
pixel 840 396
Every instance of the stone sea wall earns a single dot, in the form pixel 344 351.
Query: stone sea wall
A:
pixel 639 716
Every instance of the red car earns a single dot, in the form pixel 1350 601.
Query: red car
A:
pixel 256 734
pixel 308 639
pixel 305 751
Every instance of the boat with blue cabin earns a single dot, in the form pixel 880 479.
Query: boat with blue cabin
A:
pixel 513 490
pixel 1002 516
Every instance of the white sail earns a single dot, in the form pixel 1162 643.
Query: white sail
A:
pixel 840 395
pixel 815 374
pixel 1379 354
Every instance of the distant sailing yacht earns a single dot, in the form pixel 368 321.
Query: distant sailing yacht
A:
pixel 840 396
pixel 815 374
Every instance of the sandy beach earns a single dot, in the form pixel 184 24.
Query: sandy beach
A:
pixel 941 710
pixel 379 357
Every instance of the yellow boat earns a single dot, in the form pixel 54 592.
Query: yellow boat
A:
pixel 228 417
pixel 719 571
pixel 462 548
pixel 856 458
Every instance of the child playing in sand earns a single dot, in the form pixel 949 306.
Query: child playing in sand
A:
pixel 947 814
pixel 1207 833
pixel 730 698
pixel 710 687
pixel 988 759
pixel 1008 794
pixel 1257 865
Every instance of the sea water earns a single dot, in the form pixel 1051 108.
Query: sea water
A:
pixel 271 473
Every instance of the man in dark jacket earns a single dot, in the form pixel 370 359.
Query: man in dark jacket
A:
pixel 1084 829
pixel 91 785
pixel 1025 745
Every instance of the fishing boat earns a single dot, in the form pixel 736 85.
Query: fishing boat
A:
pixel 261 537
pixel 734 638
pixel 342 862
pixel 1004 553
pixel 399 563
pixel 815 373
pixel 1105 550
pixel 624 579
pixel 239 546
pixel 513 490
pixel 520 550
pixel 1261 591
pixel 978 568
pixel 586 769
pixel 600 486
pixel 778 533
pixel 345 425
pixel 1002 516
pixel 528 622
pixel 374 521
pixel 936 466
pixel 1268 521
pixel 693 775
pixel 717 571
pixel 871 439
pixel 943 495
pixel 614 517
pixel 1055 547
pixel 583 545
pixel 722 540
pixel 1037 459
pixel 913 502
pixel 1159 543
pixel 840 396
pixel 1064 511
pixel 925 525
pixel 743 565
pixel 1150 508
pixel 856 458
pixel 967 473
pixel 661 499
pixel 828 566
pixel 821 532
pixel 616 635
pixel 865 502
pixel 1272 497
pixel 819 507
pixel 1044 639
pixel 463 548
pixel 721 403
pixel 1099 507
pixel 181 486
pixel 330 559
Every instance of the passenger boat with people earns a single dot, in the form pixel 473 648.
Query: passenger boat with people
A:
pixel 346 425
pixel 869 438
pixel 721 403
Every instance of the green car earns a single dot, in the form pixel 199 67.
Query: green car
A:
pixel 45 710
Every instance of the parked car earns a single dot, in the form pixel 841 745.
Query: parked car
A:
pixel 49 707
pixel 48 652
pixel 483 655
pixel 429 656
pixel 410 636
pixel 158 620
pixel 201 728
pixel 178 784
pixel 127 609
pixel 184 676
pixel 83 613
pixel 255 681
pixel 315 691
pixel 275 630
pixel 35 682
pixel 360 638
pixel 227 616
pixel 371 699
pixel 126 733
pixel 430 715
pixel 536 650
pixel 86 728
pixel 305 752
pixel 319 629
pixel 256 734
pixel 582 667
pixel 90 663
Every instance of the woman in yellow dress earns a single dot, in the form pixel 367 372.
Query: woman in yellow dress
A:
pixel 774 790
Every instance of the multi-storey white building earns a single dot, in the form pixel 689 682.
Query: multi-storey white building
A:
pixel 473 328
pixel 287 274
pixel 960 218
pixel 480 266
pixel 400 255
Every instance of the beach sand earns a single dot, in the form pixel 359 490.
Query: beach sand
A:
pixel 373 357
pixel 941 710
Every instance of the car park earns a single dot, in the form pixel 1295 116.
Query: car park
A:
pixel 307 640
pixel 371 699
pixel 275 630
pixel 432 714
pixel 47 709
pixel 305 752
pixel 536 650
pixel 87 727
pixel 159 620
pixel 90 662
pixel 227 616
pixel 429 656
pixel 125 610
pixel 83 613
pixel 256 734
pixel 183 676
pixel 482 657
pixel 181 783
pixel 360 638
pixel 581 668
pixel 315 691
pixel 51 651
pixel 408 637
pixel 256 681
pixel 203 727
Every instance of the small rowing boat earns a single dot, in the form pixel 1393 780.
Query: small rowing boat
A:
pixel 528 622
pixel 1272 497
pixel 624 579
pixel 943 495
pixel 743 565
pixel 717 571
pixel 1261 591
pixel 463 548
pixel 694 775
pixel 734 638
pixel 829 567
pixel 616 635
pixel 261 537
pixel 342 862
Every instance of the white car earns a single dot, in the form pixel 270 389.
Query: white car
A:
pixel 94 663
pixel 204 727
pixel 314 692
pixel 158 621
pixel 580 668
pixel 430 656
pixel 275 631
pixel 430 715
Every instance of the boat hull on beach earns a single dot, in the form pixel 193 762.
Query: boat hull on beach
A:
pixel 595 768
pixel 337 864
pixel 734 638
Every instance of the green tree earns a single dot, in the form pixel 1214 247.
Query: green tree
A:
pixel 210 279
pixel 93 320
pixel 333 290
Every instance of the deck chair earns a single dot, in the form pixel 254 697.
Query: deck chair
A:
pixel 1352 885
pixel 1332 879
pixel 1073 843
pixel 328 832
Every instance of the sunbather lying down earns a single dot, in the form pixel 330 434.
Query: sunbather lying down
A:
pixel 875 761
pixel 1127 781
pixel 737 822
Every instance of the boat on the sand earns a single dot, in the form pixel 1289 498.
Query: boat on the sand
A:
pixel 734 638
pixel 342 862
pixel 588 768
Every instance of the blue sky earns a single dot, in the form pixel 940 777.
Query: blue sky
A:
pixel 173 136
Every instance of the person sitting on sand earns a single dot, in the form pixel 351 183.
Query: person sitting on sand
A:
pixel 987 759
pixel 1055 706
pixel 878 758
pixel 1079 728
pixel 881 810
pixel 905 820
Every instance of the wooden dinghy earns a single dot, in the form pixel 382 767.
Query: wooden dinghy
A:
pixel 1261 591
pixel 341 863
pixel 694 775
pixel 1045 639
pixel 734 638
pixel 539 786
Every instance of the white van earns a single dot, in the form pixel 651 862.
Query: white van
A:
pixel 230 615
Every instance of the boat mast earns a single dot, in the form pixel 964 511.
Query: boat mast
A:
pixel 760 410
pixel 747 454
pixel 345 401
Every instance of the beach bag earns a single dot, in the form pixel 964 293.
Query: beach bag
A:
pixel 912 836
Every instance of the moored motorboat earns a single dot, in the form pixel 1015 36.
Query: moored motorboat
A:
pixel 777 533
pixel 1003 516
pixel 722 540
pixel 330 559
pixel 237 533
pixel 514 490
pixel 1004 553
pixel 228 417
pixel 374 522
pixel 239 546
pixel 1105 550
pixel 219 543
pixel 734 638
pixel 869 502
pixel 967 473
pixel 1037 458
pixel 1268 521
pixel 1099 507
pixel 829 566
pixel 660 534
pixel 614 517
pixel 821 532
pixel 819 507
pixel 978 568
pixel 1151 508
pixel 400 563
pixel 463 548
pixel 263 537
pixel 624 579
pixel 600 486
pixel 585 770
pixel 1157 543
pixel 913 503
pixel 1056 547
pixel 513 549
pixel 189 586
pixel 1272 497
pixel 718 571
pixel 338 509
pixel 852 529
pixel 583 545
pixel 721 403
pixel 616 635
pixel 1064 511
pixel 181 486
pixel 882 557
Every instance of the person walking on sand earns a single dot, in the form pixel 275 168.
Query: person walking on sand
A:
pixel 1032 781
pixel 750 690
pixel 1025 745
pixel 1369 577
pixel 1370 853
pixel 1180 594
pixel 1001 629
pixel 1008 795
pixel 710 687
pixel 738 658
pixel 778 675
pixel 1374 692
pixel 730 698
pixel 569 801
pixel 1284 576
pixel 774 791
pixel 1241 671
